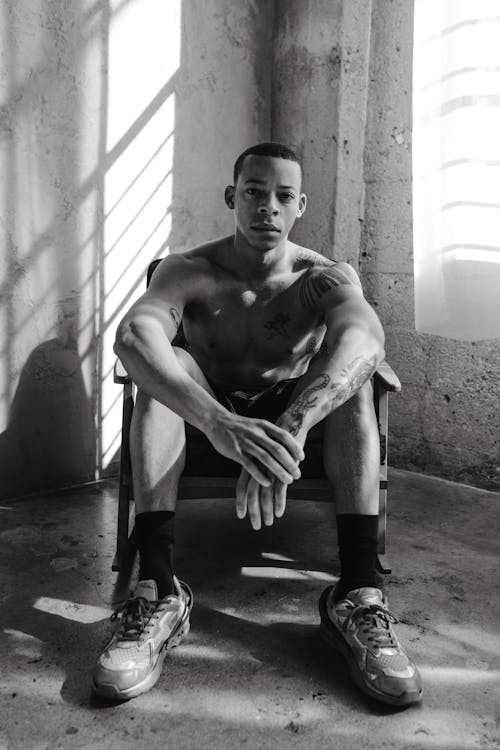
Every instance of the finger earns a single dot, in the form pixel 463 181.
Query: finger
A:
pixel 279 453
pixel 253 508
pixel 284 437
pixel 279 499
pixel 268 460
pixel 254 470
pixel 267 504
pixel 241 493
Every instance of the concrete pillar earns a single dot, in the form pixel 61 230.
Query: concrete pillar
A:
pixel 319 101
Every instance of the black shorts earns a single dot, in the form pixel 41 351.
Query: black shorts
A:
pixel 267 404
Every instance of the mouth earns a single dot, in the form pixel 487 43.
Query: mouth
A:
pixel 266 228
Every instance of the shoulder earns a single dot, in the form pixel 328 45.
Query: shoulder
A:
pixel 323 278
pixel 189 269
pixel 318 265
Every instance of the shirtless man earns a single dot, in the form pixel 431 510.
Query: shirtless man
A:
pixel 278 339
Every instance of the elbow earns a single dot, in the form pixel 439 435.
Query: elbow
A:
pixel 125 338
pixel 378 344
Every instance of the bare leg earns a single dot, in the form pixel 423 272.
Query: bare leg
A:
pixel 351 454
pixel 157 446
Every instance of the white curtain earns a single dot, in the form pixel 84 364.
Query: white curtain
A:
pixel 456 168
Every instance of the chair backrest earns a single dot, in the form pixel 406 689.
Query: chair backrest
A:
pixel 152 268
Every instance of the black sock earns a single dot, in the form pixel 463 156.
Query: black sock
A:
pixel 154 537
pixel 358 541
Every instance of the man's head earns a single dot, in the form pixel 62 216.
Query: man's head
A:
pixel 266 194
pixel 271 148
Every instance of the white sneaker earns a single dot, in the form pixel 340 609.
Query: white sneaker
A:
pixel 360 627
pixel 145 629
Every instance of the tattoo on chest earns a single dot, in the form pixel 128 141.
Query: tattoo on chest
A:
pixel 277 326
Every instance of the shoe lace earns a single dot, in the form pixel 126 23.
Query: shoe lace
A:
pixel 134 617
pixel 375 622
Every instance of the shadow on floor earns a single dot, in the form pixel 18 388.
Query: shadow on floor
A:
pixel 253 671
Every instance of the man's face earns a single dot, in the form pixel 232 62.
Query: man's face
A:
pixel 266 200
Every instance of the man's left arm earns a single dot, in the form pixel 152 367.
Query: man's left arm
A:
pixel 352 348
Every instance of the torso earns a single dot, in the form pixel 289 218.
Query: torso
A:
pixel 252 334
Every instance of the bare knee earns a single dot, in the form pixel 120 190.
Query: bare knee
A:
pixel 351 435
pixel 357 409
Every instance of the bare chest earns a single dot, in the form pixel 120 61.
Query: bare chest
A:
pixel 268 327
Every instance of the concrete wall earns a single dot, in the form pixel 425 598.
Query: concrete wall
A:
pixel 107 160
pixel 49 131
pixel 343 76
pixel 110 159
pixel 446 421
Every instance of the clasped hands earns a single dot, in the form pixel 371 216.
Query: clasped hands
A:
pixel 269 455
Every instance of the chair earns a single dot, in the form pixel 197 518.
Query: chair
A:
pixel 207 474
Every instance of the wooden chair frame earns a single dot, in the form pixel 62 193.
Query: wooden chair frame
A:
pixel 191 486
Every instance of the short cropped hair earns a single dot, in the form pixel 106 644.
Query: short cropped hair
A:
pixel 271 148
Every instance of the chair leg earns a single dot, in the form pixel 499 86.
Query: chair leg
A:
pixel 382 409
pixel 125 494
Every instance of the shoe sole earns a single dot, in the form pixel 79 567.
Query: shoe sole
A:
pixel 335 640
pixel 112 692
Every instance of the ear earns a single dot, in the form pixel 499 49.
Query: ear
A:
pixel 229 196
pixel 302 205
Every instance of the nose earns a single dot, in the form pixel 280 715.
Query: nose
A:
pixel 268 205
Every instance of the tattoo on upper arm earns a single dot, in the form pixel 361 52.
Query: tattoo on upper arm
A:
pixel 277 326
pixel 318 281
pixel 176 318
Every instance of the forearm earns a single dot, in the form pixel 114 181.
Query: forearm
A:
pixel 343 366
pixel 150 360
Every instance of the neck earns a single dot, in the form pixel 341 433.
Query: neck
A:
pixel 256 263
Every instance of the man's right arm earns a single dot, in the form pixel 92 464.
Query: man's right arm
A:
pixel 143 345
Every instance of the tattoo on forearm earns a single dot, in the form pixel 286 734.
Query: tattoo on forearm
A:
pixel 354 376
pixel 317 282
pixel 311 346
pixel 176 318
pixel 305 401
pixel 277 326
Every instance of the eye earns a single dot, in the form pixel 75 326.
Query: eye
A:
pixel 287 197
pixel 251 191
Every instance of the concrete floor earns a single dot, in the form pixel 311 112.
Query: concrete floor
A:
pixel 253 672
